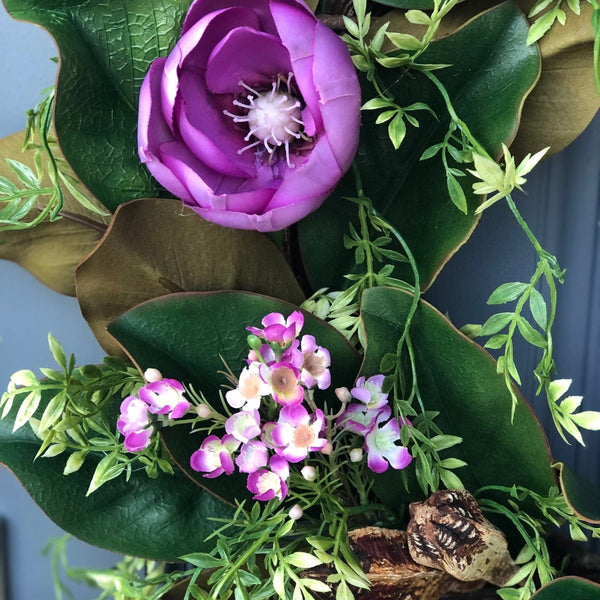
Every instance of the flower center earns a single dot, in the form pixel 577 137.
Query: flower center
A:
pixel 268 481
pixel 304 436
pixel 283 381
pixel 274 118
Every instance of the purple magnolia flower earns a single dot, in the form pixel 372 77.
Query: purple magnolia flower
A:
pixel 134 424
pixel 382 448
pixel 254 116
pixel 278 329
pixel 297 433
pixel 370 392
pixel 265 484
pixel 215 456
pixel 165 397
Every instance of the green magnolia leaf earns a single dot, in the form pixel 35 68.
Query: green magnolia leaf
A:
pixel 105 51
pixel 491 60
pixel 156 247
pixel 159 518
pixel 190 336
pixel 581 494
pixel 50 251
pixel 569 588
pixel 458 379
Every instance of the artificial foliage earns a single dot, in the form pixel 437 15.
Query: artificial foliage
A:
pixel 249 200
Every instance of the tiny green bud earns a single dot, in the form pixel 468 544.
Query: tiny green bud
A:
pixel 254 342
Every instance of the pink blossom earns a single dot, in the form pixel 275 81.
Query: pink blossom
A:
pixel 278 329
pixel 370 391
pixel 265 484
pixel 315 364
pixel 284 380
pixel 134 424
pixel 298 432
pixel 165 397
pixel 383 450
pixel 250 389
pixel 360 419
pixel 253 456
pixel 244 425
pixel 215 456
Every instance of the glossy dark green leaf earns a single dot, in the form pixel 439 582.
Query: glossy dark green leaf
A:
pixel 160 518
pixel 581 494
pixel 188 336
pixel 105 50
pixel 569 588
pixel 492 70
pixel 459 379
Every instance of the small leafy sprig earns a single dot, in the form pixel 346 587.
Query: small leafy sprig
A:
pixel 534 559
pixel 566 420
pixel 368 55
pixel 76 418
pixel 502 326
pixel 269 538
pixel 131 578
pixel 554 14
pixel 23 208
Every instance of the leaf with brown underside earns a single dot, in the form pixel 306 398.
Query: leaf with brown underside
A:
pixel 565 98
pixel 156 247
pixel 51 250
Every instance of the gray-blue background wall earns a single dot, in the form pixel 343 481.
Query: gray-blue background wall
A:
pixel 561 204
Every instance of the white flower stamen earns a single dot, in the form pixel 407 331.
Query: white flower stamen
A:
pixel 274 118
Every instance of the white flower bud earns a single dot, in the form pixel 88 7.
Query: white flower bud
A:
pixel 296 512
pixel 327 448
pixel 152 375
pixel 309 473
pixel 356 455
pixel 343 394
pixel 204 411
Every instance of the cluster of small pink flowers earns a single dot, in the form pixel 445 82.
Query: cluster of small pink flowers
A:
pixel 371 417
pixel 282 370
pixel 159 398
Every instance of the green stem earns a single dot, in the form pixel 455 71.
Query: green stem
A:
pixel 233 569
pixel 450 108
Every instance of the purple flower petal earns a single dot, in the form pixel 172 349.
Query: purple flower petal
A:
pixel 200 8
pixel 247 55
pixel 289 19
pixel 208 132
pixel 153 132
